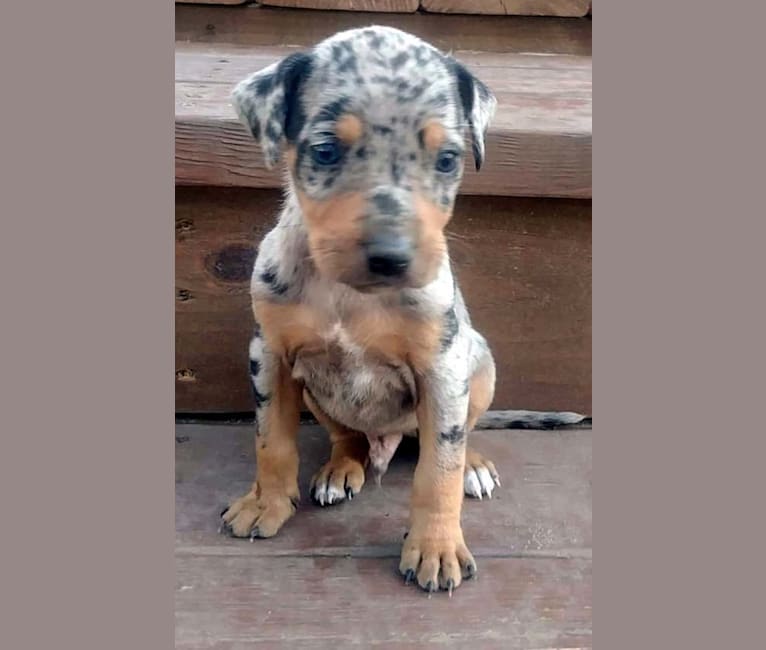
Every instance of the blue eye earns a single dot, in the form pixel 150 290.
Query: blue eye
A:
pixel 447 162
pixel 326 153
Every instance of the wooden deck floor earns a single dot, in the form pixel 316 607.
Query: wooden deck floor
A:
pixel 329 579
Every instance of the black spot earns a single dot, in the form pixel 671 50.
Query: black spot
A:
pixel 361 153
pixel 387 204
pixel 332 111
pixel 381 79
pixel 450 330
pixel 394 120
pixel 260 398
pixel 466 387
pixel 401 86
pixel 349 65
pixel 413 156
pixel 454 435
pixel 269 277
pixel 328 182
pixel 257 330
pixel 264 85
pixel 396 171
pixel 399 60
pixel 255 367
pixel 272 132
pixel 382 130
pixel 422 55
pixel 439 99
pixel 408 300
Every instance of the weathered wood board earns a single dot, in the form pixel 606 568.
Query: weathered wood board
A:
pixel 404 6
pixel 560 8
pixel 257 26
pixel 538 145
pixel 329 579
pixel 524 266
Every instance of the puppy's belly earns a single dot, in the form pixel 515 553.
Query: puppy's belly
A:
pixel 359 392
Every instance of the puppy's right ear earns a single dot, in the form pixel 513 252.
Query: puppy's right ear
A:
pixel 269 103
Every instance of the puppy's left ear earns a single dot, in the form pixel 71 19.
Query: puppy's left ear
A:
pixel 269 103
pixel 478 104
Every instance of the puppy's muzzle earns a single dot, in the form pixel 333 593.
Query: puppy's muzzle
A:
pixel 388 243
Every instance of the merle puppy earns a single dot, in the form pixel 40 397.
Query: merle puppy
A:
pixel 358 314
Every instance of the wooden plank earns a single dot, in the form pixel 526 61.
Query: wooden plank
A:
pixel 538 145
pixel 212 2
pixel 524 265
pixel 561 8
pixel 400 6
pixel 258 26
pixel 542 508
pixel 308 602
pixel 329 578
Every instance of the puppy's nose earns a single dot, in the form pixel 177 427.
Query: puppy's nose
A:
pixel 389 258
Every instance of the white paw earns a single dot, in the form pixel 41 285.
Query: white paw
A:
pixel 327 495
pixel 478 482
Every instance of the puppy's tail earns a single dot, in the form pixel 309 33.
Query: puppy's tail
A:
pixel 532 420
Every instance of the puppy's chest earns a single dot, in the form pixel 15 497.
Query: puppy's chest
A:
pixel 355 381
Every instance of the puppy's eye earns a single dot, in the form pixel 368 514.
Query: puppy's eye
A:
pixel 447 162
pixel 326 153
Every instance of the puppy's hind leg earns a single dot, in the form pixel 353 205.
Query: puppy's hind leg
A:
pixel 342 476
pixel 481 477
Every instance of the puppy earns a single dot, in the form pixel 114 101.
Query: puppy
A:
pixel 358 313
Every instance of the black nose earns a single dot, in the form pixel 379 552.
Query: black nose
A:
pixel 390 258
pixel 389 265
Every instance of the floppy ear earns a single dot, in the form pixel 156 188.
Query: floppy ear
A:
pixel 269 103
pixel 478 104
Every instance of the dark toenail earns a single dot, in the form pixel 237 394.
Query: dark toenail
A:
pixel 254 533
pixel 409 576
pixel 406 532
pixel 224 511
pixel 430 588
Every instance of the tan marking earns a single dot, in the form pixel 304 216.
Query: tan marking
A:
pixel 432 244
pixel 348 456
pixel 269 504
pixel 394 336
pixel 435 537
pixel 482 392
pixel 335 229
pixel 288 328
pixel 349 129
pixel 434 135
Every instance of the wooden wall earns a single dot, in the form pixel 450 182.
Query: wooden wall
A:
pixel 524 266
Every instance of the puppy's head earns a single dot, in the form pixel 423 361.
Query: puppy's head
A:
pixel 374 123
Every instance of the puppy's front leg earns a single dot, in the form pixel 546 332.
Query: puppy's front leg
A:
pixel 273 498
pixel 434 550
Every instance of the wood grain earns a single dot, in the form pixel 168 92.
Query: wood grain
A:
pixel 561 8
pixel 212 2
pixel 260 26
pixel 404 6
pixel 524 265
pixel 538 145
pixel 329 578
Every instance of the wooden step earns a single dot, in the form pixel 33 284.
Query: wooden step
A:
pixel 539 144
pixel 524 267
pixel 329 578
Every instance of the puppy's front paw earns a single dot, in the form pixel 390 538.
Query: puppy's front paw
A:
pixel 257 516
pixel 437 556
pixel 337 480
pixel 481 477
